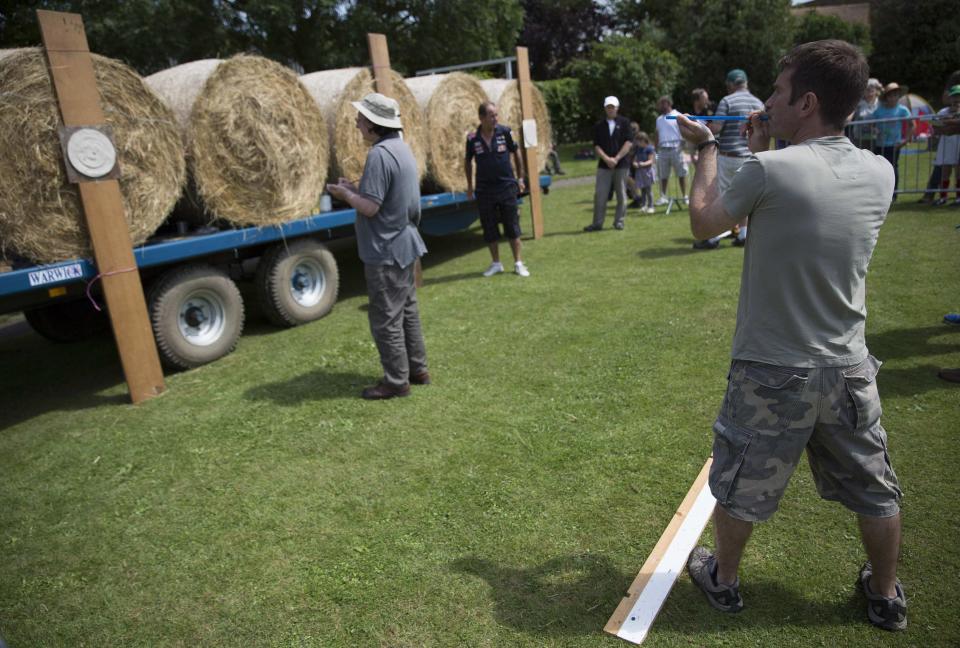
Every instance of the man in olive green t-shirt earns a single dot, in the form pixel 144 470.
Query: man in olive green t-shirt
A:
pixel 801 377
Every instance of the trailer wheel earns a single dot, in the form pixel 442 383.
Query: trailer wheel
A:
pixel 197 315
pixel 297 282
pixel 70 321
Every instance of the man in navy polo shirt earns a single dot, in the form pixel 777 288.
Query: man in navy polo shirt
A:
pixel 497 187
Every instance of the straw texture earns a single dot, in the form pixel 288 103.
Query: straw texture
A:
pixel 257 145
pixel 41 216
pixel 334 90
pixel 450 102
pixel 506 94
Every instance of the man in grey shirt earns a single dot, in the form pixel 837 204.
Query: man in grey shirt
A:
pixel 801 376
pixel 388 212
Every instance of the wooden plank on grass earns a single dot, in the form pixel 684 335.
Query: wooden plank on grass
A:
pixel 71 69
pixel 638 609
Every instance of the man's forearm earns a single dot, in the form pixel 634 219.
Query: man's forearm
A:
pixel 468 169
pixel 705 196
pixel 518 164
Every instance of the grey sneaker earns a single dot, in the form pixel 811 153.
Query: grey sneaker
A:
pixel 887 613
pixel 702 566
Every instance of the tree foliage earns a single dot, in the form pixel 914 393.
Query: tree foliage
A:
pixel 558 32
pixel 814 26
pixel 433 33
pixel 710 37
pixel 636 71
pixel 569 118
pixel 148 34
pixel 917 45
pixel 306 34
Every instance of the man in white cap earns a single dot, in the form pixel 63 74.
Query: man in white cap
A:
pixel 612 144
pixel 388 212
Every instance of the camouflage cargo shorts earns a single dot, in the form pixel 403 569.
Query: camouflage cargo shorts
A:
pixel 770 414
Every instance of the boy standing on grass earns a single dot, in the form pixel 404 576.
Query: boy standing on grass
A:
pixel 801 377
pixel 642 165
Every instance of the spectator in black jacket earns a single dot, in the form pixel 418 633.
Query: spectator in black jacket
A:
pixel 612 143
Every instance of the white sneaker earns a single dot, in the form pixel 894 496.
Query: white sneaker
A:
pixel 649 210
pixel 662 201
pixel 685 200
pixel 495 268
pixel 521 269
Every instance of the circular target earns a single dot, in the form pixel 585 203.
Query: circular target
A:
pixel 91 153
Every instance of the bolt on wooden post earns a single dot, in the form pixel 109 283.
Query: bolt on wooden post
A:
pixel 75 86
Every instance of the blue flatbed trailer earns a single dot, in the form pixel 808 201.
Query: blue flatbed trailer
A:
pixel 296 275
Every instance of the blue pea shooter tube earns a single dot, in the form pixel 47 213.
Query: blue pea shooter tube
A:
pixel 719 117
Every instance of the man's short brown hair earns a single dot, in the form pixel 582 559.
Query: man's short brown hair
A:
pixel 834 70
pixel 484 107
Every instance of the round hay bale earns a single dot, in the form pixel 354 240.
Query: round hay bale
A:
pixel 256 142
pixel 450 102
pixel 41 216
pixel 334 90
pixel 506 94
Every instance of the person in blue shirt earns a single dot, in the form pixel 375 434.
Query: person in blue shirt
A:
pixel 496 189
pixel 891 136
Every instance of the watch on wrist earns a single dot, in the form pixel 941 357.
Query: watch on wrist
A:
pixel 710 142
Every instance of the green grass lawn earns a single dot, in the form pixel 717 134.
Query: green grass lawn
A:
pixel 259 502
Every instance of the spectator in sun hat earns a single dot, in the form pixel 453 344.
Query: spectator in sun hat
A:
pixel 890 135
pixel 388 213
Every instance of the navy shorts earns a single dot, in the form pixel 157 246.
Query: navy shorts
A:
pixel 499 209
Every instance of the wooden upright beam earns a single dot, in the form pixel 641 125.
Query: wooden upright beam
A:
pixel 71 69
pixel 380 58
pixel 530 162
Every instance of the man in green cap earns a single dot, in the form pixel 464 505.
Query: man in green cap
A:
pixel 733 146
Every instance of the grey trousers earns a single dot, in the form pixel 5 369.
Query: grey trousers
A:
pixel 395 321
pixel 606 178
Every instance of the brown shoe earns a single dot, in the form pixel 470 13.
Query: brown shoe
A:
pixel 952 375
pixel 383 391
pixel 422 378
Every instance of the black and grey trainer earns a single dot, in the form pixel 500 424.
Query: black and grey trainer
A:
pixel 702 566
pixel 887 613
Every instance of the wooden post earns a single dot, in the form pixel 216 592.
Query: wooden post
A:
pixel 530 162
pixel 71 69
pixel 380 58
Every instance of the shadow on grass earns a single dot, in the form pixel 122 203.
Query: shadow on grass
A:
pixel 908 344
pixel 575 595
pixel 666 253
pixel 570 595
pixel 767 604
pixel 912 343
pixel 40 376
pixel 316 385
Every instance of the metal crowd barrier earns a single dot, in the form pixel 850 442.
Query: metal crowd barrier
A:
pixel 915 163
